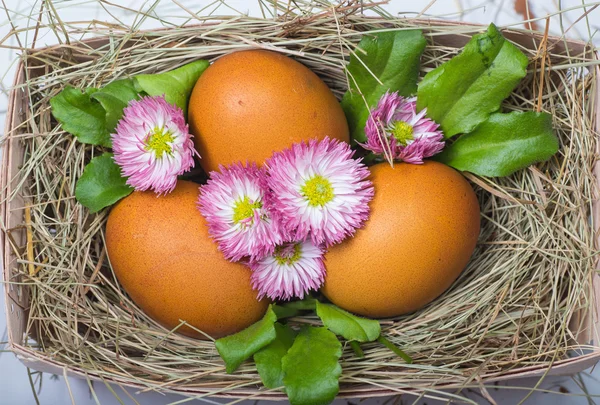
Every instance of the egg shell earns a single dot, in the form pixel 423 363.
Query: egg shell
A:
pixel 422 230
pixel 162 255
pixel 248 104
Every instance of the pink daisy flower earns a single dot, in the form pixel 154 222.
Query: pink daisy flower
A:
pixel 395 130
pixel 291 271
pixel 153 145
pixel 233 203
pixel 319 190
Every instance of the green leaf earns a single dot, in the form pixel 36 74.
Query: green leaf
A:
pixel 311 367
pixel 307 304
pixel 114 97
pixel 285 312
pixel 294 308
pixel 81 116
pixel 234 349
pixel 268 359
pixel 503 144
pixel 176 85
pixel 463 92
pixel 349 326
pixel 392 57
pixel 101 184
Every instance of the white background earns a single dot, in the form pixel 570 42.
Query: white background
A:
pixel 15 387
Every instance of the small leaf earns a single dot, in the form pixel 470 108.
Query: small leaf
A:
pixel 392 57
pixel 176 85
pixel 311 367
pixel 463 92
pixel 81 116
pixel 234 349
pixel 503 144
pixel 101 184
pixel 307 304
pixel 285 312
pixel 349 326
pixel 268 359
pixel 114 97
pixel 294 308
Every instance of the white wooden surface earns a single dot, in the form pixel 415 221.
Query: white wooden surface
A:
pixel 14 381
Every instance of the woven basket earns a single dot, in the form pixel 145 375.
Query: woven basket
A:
pixel 17 288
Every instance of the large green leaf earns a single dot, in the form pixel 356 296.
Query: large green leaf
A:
pixel 383 61
pixel 114 97
pixel 176 85
pixel 234 349
pixel 101 183
pixel 464 91
pixel 268 359
pixel 81 116
pixel 349 326
pixel 311 367
pixel 503 144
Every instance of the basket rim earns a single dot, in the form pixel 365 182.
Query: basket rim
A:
pixel 422 23
pixel 32 359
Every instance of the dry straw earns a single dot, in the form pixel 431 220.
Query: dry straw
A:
pixel 527 281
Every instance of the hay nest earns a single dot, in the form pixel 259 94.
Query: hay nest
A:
pixel 528 280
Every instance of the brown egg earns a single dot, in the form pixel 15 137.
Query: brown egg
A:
pixel 421 233
pixel 248 104
pixel 163 257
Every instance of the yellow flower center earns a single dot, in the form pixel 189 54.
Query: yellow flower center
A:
pixel 244 209
pixel 403 132
pixel 287 254
pixel 318 191
pixel 158 142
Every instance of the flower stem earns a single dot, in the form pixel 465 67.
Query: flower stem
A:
pixel 357 350
pixel 395 349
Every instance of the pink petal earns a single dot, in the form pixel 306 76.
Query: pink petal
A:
pixel 142 167
pixel 348 208
pixel 278 279
pixel 427 141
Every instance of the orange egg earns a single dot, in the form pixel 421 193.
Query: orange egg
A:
pixel 423 228
pixel 162 255
pixel 248 104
